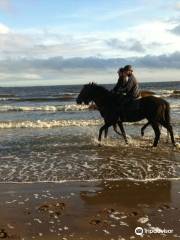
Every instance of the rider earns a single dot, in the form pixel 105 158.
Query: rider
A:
pixel 127 90
pixel 127 83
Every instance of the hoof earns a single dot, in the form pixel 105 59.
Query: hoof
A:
pixel 99 145
pixel 142 134
pixel 154 146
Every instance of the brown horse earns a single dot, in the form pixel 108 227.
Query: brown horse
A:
pixel 155 110
pixel 143 93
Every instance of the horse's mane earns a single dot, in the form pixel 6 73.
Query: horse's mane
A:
pixel 100 89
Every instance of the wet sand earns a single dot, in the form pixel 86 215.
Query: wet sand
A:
pixel 90 210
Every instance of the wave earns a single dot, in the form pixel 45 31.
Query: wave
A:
pixel 69 96
pixel 60 123
pixel 175 106
pixel 9 98
pixel 175 95
pixel 47 99
pixel 96 180
pixel 7 95
pixel 168 93
pixel 57 108
pixel 62 97
pixel 48 124
pixel 55 123
pixel 50 108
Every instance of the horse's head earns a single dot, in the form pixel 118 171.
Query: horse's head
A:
pixel 85 95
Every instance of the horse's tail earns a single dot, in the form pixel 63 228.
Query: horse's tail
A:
pixel 166 114
pixel 163 113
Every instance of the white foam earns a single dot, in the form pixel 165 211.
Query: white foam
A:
pixel 175 106
pixel 96 180
pixel 167 93
pixel 8 98
pixel 143 219
pixel 56 108
pixel 164 93
pixel 50 108
pixel 55 123
pixel 48 124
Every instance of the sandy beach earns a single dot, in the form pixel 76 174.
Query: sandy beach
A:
pixel 90 210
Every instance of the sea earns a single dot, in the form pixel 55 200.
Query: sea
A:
pixel 46 137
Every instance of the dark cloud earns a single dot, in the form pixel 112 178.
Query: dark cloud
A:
pixel 176 30
pixel 162 61
pixel 130 45
pixel 58 64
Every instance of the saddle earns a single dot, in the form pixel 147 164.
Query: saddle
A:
pixel 132 105
pixel 129 108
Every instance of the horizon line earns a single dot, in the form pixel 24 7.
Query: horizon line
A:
pixel 78 84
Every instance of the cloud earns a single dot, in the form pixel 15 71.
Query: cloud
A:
pixel 3 29
pixel 116 14
pixel 177 6
pixel 176 30
pixel 6 5
pixel 45 44
pixel 171 61
pixel 58 70
pixel 128 45
pixel 59 63
pixel 15 45
pixel 52 42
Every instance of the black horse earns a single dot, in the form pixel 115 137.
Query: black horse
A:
pixel 155 110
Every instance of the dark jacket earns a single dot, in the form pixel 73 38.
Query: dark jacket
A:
pixel 129 87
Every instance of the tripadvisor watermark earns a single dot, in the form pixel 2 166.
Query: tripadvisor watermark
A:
pixel 153 230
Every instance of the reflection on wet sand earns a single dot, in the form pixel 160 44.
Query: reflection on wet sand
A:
pixel 152 192
pixel 90 210
pixel 124 205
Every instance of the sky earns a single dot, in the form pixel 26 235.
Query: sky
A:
pixel 45 42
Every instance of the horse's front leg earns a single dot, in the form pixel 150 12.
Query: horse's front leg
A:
pixel 100 132
pixel 103 128
pixel 157 132
pixel 144 127
pixel 120 124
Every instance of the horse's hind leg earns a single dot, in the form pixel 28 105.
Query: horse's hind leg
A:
pixel 105 132
pixel 167 138
pixel 103 128
pixel 100 132
pixel 157 132
pixel 144 127
pixel 170 130
pixel 171 134
pixel 123 131
pixel 115 129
